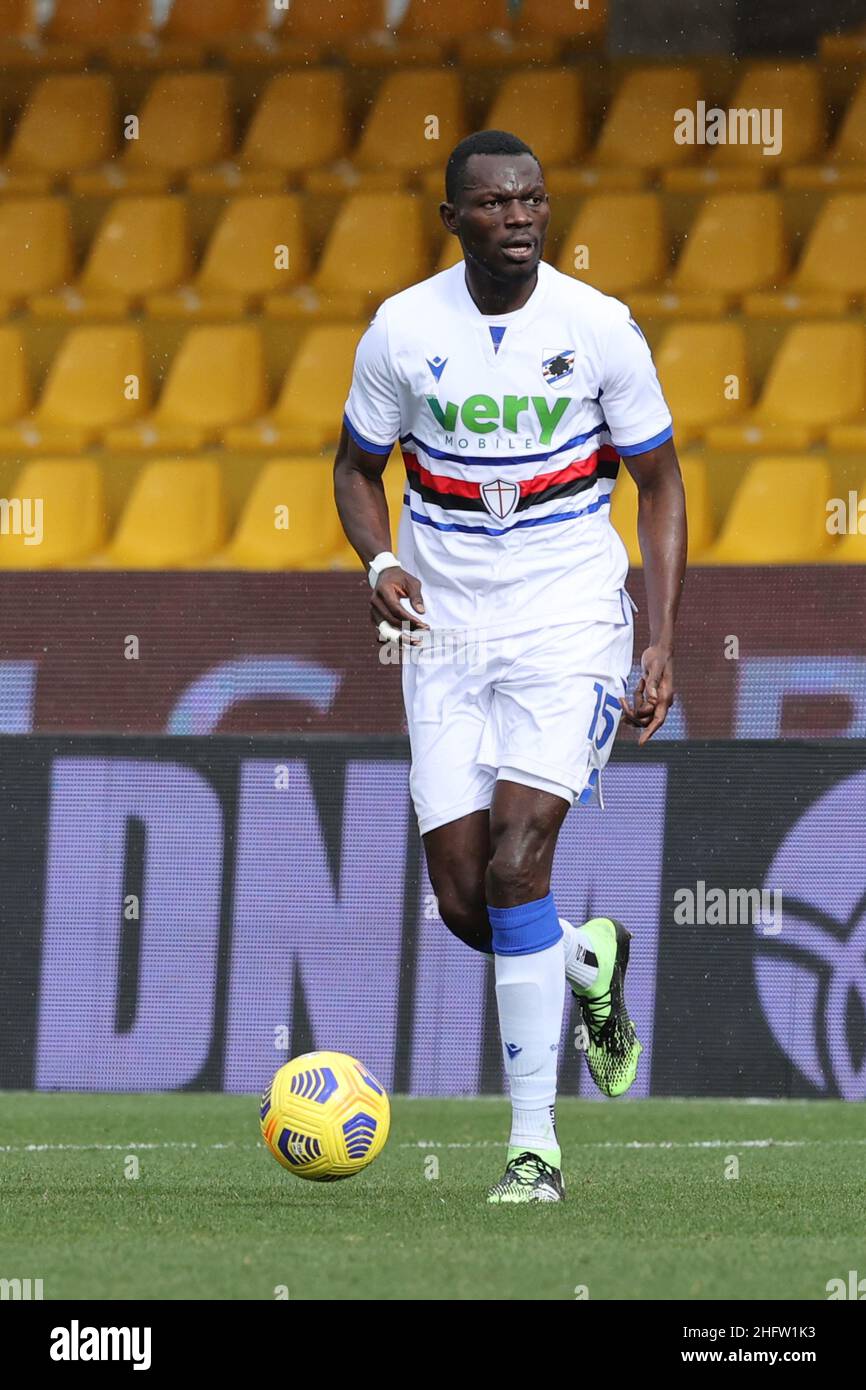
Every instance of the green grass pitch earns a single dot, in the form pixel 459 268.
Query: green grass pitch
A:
pixel 649 1213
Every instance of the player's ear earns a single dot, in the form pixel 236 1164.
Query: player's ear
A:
pixel 449 218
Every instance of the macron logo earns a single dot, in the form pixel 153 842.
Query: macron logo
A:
pixel 512 1049
pixel 437 366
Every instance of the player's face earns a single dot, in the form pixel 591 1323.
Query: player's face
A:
pixel 501 214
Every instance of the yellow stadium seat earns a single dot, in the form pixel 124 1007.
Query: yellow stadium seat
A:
pixel 175 518
pixel 185 121
pixel 82 31
pixel 17 19
pixel 289 521
pixel 456 18
pixel 98 378
pixel 308 31
pixel 538 33
pixel 794 89
pixel 219 19
pixel 62 518
pixel 394 483
pixel 849 47
pixel 35 248
pixel 705 377
pixel 395 146
pixel 848 438
pixel 216 379
pixel 258 246
pixel 72 31
pixel 740 163
pixel 850 548
pixel 735 245
pixel 778 515
pixel 428 32
pixel 547 108
pixel 83 27
pixel 21 47
pixel 192 31
pixel 637 137
pixel 15 396
pixel 832 269
pixel 69 124
pixel 538 17
pixel 624 506
pixel 309 104
pixel 618 241
pixel 817 380
pixel 142 246
pixel 374 248
pixel 845 166
pixel 308 413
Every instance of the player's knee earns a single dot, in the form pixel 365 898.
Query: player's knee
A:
pixel 465 920
pixel 515 874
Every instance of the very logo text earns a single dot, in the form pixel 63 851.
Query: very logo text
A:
pixel 481 413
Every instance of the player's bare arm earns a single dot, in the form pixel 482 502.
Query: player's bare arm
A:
pixel 363 510
pixel 663 539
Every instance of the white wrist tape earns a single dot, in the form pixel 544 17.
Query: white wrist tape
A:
pixel 383 561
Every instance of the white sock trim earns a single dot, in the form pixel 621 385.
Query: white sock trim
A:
pixel 576 943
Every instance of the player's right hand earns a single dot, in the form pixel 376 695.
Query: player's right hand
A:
pixel 395 584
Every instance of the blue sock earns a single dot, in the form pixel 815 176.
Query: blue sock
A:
pixel 520 931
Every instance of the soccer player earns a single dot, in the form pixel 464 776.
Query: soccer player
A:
pixel 514 391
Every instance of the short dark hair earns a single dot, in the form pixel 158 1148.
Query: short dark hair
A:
pixel 481 142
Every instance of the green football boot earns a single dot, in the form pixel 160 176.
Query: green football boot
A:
pixel 528 1177
pixel 613 1049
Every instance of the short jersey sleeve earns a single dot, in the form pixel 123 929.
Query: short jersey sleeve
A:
pixel 636 412
pixel 372 410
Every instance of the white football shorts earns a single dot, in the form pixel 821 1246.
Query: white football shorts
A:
pixel 541 708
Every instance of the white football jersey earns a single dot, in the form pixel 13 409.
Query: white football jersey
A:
pixel 511 428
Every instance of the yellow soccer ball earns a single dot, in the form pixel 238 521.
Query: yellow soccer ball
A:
pixel 324 1116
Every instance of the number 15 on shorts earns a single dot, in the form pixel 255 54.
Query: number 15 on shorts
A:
pixel 605 716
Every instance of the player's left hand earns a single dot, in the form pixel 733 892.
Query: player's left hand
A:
pixel 654 693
